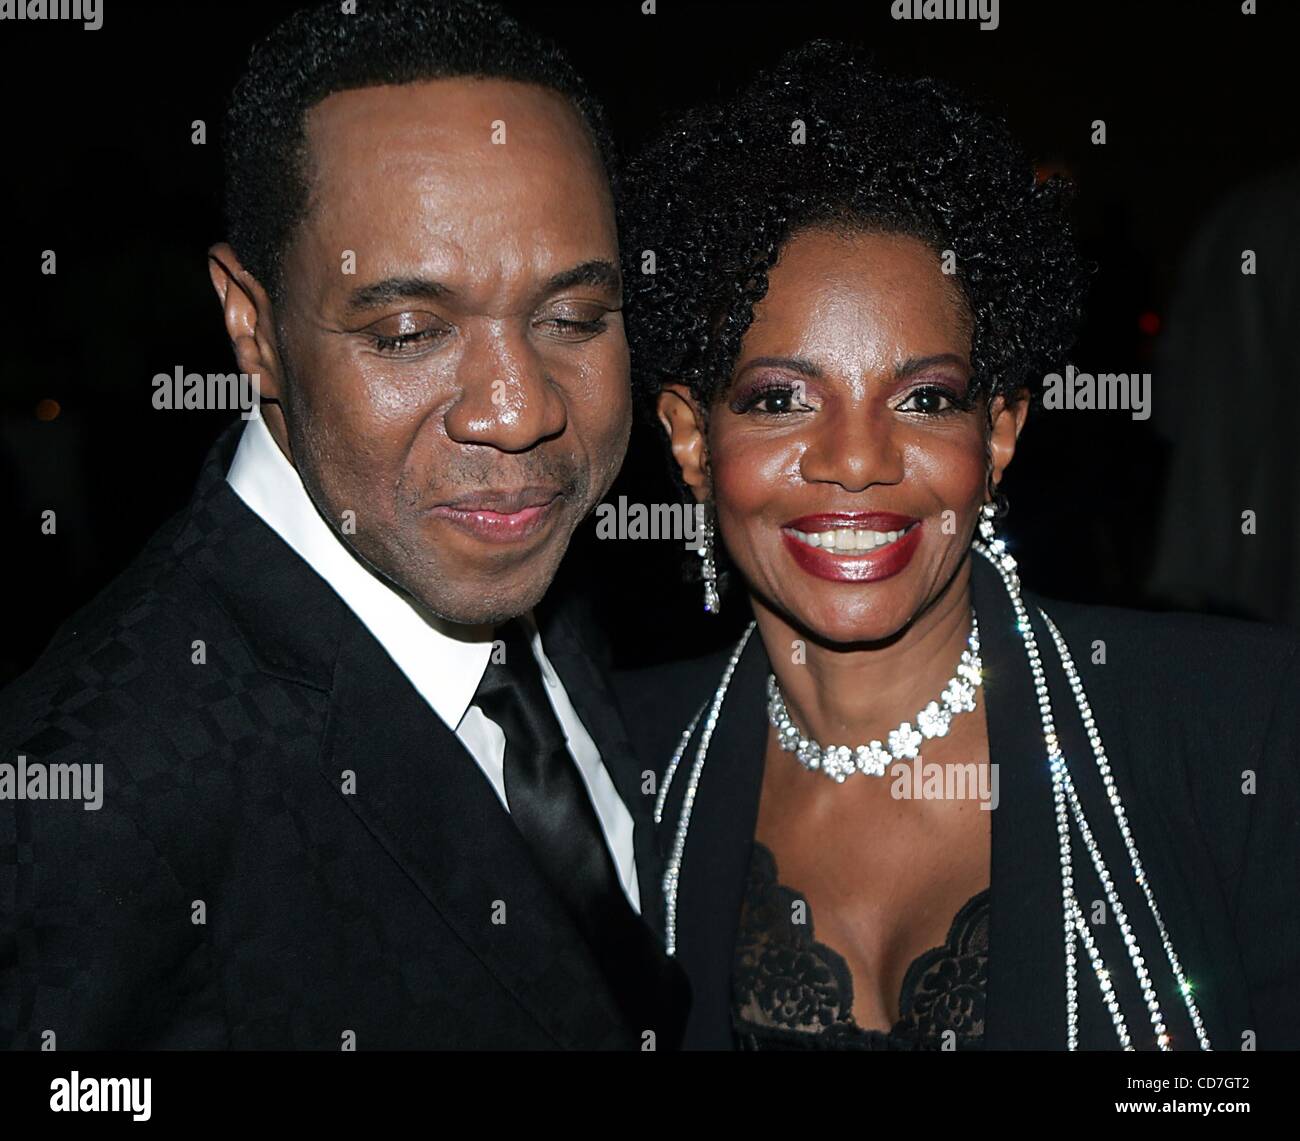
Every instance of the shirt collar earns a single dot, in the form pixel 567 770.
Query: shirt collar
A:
pixel 442 660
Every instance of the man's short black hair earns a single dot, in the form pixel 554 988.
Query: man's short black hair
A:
pixel 320 50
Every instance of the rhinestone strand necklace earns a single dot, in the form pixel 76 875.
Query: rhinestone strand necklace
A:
pixel 1067 807
pixel 840 761
pixel 1075 927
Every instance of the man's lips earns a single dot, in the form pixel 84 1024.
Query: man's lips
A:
pixel 501 516
pixel 852 546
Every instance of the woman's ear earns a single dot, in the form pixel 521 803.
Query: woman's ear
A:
pixel 1007 418
pixel 684 422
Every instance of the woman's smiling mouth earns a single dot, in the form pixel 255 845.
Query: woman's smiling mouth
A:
pixel 848 541
pixel 852 546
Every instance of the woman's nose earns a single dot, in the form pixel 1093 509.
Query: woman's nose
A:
pixel 854 450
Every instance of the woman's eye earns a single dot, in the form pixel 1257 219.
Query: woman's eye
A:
pixel 931 401
pixel 779 400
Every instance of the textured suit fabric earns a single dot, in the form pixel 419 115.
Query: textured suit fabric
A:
pixel 1192 710
pixel 293 848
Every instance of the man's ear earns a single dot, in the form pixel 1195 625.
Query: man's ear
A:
pixel 1007 418
pixel 684 422
pixel 250 323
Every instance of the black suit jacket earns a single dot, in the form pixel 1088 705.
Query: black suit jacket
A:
pixel 326 910
pixel 1186 705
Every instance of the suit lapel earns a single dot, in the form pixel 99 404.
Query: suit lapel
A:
pixel 1025 997
pixel 596 706
pixel 1096 1028
pixel 719 843
pixel 646 969
pixel 423 798
pixel 1026 981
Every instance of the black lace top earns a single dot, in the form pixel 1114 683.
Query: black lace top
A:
pixel 791 992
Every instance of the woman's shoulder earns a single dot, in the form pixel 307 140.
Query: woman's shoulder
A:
pixel 1200 715
pixel 1176 649
pixel 1200 686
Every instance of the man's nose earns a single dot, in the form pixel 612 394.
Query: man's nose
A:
pixel 507 400
pixel 854 450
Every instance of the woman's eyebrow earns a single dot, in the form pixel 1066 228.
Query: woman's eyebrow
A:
pixel 914 365
pixel 902 371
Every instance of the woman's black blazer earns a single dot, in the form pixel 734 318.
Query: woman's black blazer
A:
pixel 1200 719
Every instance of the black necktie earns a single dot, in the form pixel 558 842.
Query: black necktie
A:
pixel 548 800
pixel 550 806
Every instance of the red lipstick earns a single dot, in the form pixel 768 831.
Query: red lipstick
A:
pixel 838 565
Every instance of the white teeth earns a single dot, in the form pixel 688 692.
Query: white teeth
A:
pixel 843 540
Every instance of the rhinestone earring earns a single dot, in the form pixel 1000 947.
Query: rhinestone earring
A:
pixel 997 548
pixel 708 566
pixel 987 514
pixel 995 508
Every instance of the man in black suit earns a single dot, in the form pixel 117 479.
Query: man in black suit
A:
pixel 353 792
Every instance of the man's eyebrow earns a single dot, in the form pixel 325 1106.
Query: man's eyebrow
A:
pixel 598 272
pixel 920 364
pixel 395 289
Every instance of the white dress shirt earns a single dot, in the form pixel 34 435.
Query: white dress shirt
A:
pixel 443 664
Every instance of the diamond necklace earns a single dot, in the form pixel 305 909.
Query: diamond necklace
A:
pixel 840 761
pixel 1067 807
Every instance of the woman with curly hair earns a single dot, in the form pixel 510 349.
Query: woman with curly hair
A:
pixel 916 806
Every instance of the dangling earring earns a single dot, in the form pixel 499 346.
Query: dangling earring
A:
pixel 994 508
pixel 987 514
pixel 709 568
pixel 997 552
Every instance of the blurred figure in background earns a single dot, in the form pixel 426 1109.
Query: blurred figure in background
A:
pixel 1228 374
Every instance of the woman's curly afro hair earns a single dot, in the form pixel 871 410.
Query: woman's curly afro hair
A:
pixel 717 196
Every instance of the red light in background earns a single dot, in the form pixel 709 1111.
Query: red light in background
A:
pixel 1044 169
pixel 1149 323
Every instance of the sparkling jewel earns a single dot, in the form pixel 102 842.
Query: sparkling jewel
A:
pixel 841 761
pixel 1068 806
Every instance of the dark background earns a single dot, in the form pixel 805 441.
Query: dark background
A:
pixel 99 166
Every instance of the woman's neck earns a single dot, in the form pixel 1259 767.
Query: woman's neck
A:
pixel 850 697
